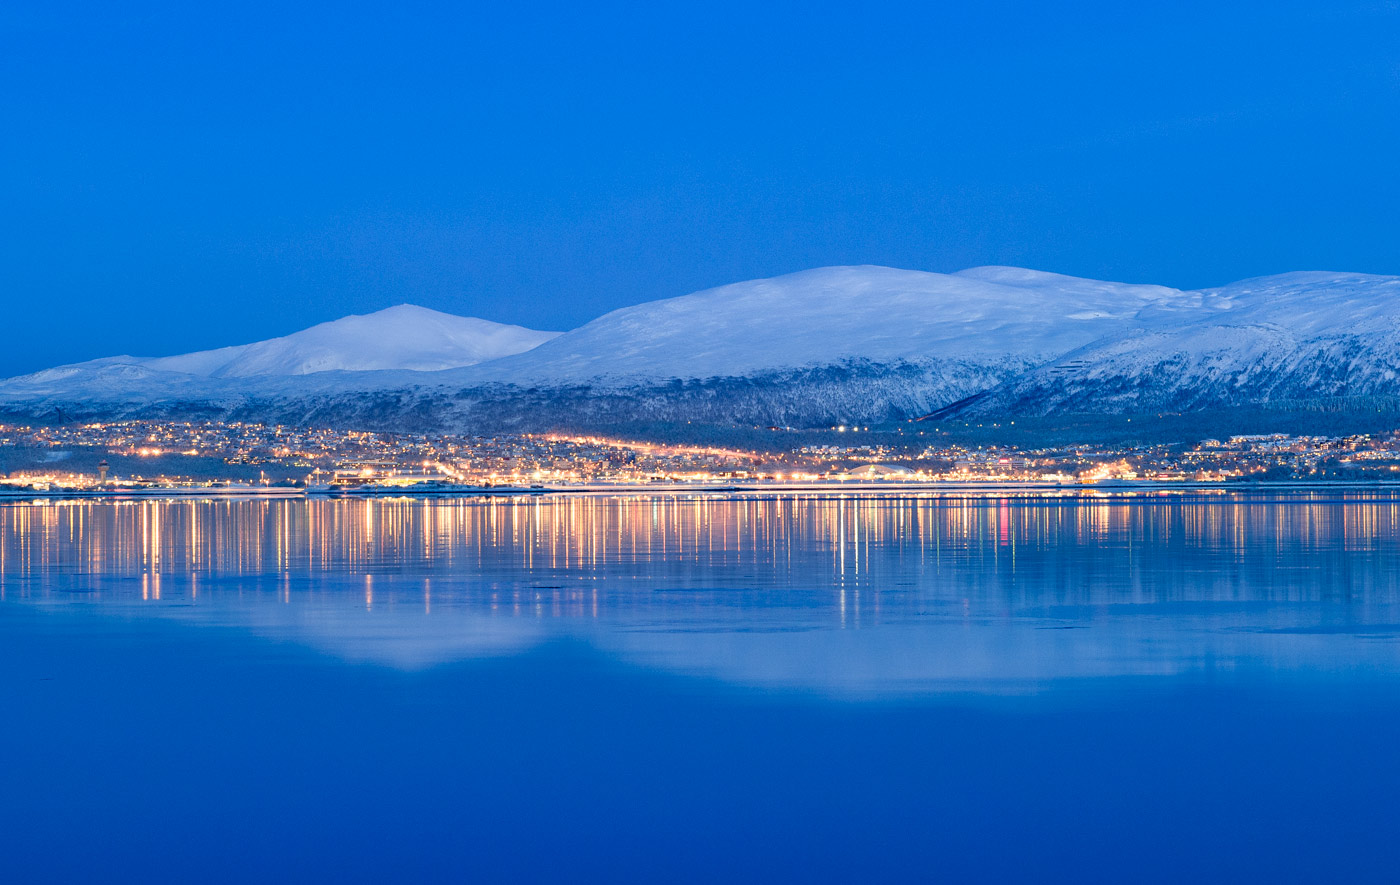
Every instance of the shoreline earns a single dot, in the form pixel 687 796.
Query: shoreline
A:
pixel 837 487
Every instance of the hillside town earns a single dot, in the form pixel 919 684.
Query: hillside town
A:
pixel 128 455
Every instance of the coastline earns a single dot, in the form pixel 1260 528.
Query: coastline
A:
pixel 837 487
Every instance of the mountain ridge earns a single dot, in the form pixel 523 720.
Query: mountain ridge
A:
pixel 404 337
pixel 854 343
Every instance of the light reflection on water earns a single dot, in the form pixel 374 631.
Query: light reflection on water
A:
pixel 840 593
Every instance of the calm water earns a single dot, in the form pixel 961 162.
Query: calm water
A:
pixel 702 687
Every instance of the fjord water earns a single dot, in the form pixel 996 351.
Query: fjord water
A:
pixel 740 687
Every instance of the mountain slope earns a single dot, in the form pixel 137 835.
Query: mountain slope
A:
pixel 835 315
pixel 1272 340
pixel 833 345
pixel 402 338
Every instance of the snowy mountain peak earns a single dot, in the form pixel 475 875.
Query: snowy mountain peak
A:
pixel 832 315
pixel 822 346
pixel 403 337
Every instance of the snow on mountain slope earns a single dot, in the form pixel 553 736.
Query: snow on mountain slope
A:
pixel 405 337
pixel 822 346
pixel 983 317
pixel 1296 336
pixel 402 338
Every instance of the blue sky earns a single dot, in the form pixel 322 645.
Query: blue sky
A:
pixel 175 177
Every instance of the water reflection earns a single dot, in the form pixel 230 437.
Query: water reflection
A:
pixel 857 591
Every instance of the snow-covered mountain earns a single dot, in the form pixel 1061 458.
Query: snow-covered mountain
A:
pixel 405 337
pixel 1272 340
pixel 811 348
pixel 835 315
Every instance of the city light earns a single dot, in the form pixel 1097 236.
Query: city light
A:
pixel 131 457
